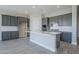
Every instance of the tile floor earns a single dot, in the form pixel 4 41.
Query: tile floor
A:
pixel 24 46
pixel 21 46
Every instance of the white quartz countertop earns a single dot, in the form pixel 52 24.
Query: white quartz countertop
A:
pixel 47 32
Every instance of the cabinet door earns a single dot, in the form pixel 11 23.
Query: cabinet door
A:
pixel 14 21
pixel 12 35
pixel 5 36
pixel 5 20
pixel 60 21
pixel 16 34
pixel 67 20
pixel 67 37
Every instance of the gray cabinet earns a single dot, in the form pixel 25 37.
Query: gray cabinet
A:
pixel 66 37
pixel 9 20
pixel 62 20
pixel 5 20
pixel 14 21
pixel 5 36
pixel 67 20
pixel 9 35
pixel 14 34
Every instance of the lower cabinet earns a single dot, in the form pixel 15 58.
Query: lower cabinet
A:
pixel 28 34
pixel 16 34
pixel 66 37
pixel 10 35
pixel 5 36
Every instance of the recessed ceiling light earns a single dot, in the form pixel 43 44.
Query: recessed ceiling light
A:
pixel 58 6
pixel 33 6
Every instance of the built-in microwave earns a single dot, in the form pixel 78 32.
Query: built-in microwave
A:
pixel 44 28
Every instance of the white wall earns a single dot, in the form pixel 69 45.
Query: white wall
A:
pixel 74 25
pixel 9 28
pixel 35 22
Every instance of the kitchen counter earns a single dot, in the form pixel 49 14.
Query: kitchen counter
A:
pixel 51 32
pixel 46 39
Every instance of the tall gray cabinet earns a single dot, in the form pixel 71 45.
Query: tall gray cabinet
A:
pixel 9 21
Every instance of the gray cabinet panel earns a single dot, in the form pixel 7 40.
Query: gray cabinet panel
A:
pixel 14 34
pixel 66 37
pixel 62 20
pixel 5 20
pixel 9 20
pixel 10 35
pixel 5 36
pixel 67 20
pixel 14 21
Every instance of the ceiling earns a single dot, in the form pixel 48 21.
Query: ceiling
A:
pixel 30 9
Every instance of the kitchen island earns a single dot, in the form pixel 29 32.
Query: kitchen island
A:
pixel 48 40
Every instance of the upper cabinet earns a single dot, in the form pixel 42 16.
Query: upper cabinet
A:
pixel 62 20
pixel 9 20
pixel 14 21
pixel 5 20
pixel 67 20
